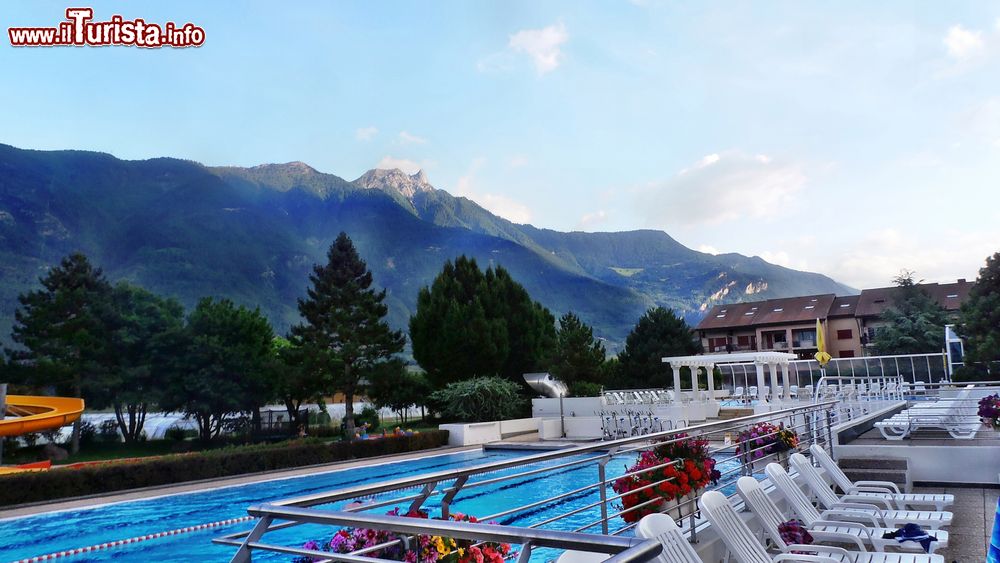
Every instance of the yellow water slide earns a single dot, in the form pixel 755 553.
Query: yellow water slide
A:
pixel 38 414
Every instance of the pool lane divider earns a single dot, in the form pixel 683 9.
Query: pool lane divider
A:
pixel 129 541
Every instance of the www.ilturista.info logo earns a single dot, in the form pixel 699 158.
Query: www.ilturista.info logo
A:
pixel 78 30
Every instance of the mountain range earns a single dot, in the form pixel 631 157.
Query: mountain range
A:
pixel 253 234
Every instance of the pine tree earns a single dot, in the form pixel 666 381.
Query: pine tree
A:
pixel 63 329
pixel 913 323
pixel 981 320
pixel 658 334
pixel 344 333
pixel 474 324
pixel 578 356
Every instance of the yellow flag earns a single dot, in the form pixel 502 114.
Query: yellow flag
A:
pixel 821 356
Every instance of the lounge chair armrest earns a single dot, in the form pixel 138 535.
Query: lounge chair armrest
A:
pixel 852 514
pixel 884 484
pixel 857 489
pixel 803 558
pixel 839 537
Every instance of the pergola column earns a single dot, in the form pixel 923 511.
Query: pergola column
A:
pixel 710 373
pixel 773 367
pixel 694 382
pixel 677 381
pixel 760 382
pixel 786 380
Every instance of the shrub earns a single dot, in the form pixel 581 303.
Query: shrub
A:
pixel 23 488
pixel 108 431
pixel 480 399
pixel 175 433
pixel 88 433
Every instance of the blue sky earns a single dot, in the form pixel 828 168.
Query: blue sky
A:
pixel 850 138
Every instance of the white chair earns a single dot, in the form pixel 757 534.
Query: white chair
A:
pixel 745 547
pixel 676 548
pixel 837 520
pixel 954 416
pixel 793 391
pixel 881 489
pixel 865 506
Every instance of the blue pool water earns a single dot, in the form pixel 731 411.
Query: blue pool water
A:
pixel 47 533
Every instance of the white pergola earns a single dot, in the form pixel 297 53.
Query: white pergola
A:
pixel 773 360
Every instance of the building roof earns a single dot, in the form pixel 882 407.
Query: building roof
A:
pixel 873 302
pixel 771 311
pixel 844 306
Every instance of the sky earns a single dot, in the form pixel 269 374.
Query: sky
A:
pixel 854 139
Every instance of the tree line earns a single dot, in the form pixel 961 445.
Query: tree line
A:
pixel 122 347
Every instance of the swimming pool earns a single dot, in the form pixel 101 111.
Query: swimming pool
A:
pixel 47 533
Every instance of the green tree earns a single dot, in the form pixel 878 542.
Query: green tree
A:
pixel 913 323
pixel 981 319
pixel 658 334
pixel 224 353
pixel 295 383
pixel 142 323
pixel 62 329
pixel 578 356
pixel 398 389
pixel 469 324
pixel 344 333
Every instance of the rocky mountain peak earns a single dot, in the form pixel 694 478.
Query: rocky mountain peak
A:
pixel 396 180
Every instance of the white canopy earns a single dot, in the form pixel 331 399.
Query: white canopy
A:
pixel 759 359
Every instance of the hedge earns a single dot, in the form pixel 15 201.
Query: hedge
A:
pixel 20 488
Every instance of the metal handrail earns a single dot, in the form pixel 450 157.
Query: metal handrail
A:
pixel 427 484
pixel 621 549
pixel 447 475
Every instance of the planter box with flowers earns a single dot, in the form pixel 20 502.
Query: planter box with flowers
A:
pixel 666 479
pixel 764 443
pixel 420 549
pixel 989 411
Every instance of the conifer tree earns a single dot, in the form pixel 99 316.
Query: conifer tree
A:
pixel 63 329
pixel 914 322
pixel 344 333
pixel 578 356
pixel 658 334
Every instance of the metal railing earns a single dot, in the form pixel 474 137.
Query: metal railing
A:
pixel 602 509
pixel 941 410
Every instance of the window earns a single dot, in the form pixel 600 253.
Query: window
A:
pixel 844 305
pixel 722 316
pixel 845 334
pixel 778 310
pixel 810 306
pixel 847 353
pixel 952 296
pixel 748 314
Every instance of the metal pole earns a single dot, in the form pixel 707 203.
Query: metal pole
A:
pixel 562 416
pixel 604 493
pixel 829 432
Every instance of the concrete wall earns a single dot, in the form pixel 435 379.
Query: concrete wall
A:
pixel 472 434
pixel 572 406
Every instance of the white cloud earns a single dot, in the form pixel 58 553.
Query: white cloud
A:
pixel 707 249
pixel 366 133
pixel 406 165
pixel 589 220
pixel 721 188
pixel 467 186
pixel 963 44
pixel 542 45
pixel 410 139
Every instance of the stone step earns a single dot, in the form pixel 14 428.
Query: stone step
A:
pixel 862 463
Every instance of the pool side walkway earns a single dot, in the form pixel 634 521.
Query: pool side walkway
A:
pixel 208 484
pixel 974 509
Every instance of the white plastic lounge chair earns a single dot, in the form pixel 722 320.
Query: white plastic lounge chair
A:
pixel 753 391
pixel 745 547
pixel 952 415
pixel 570 556
pixel 837 520
pixel 676 548
pixel 882 489
pixel 881 509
